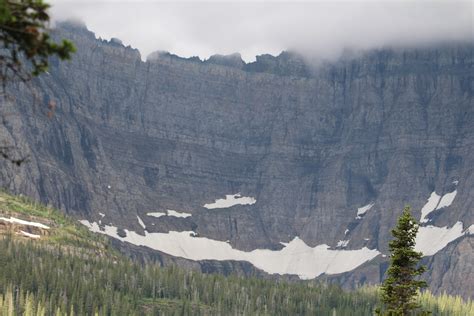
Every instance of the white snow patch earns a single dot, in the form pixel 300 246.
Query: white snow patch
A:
pixel 455 182
pixel 296 257
pixel 431 239
pixel 342 243
pixel 362 210
pixel 101 214
pixel 34 236
pixel 366 239
pixel 470 230
pixel 23 222
pixel 178 214
pixel 447 199
pixel 170 213
pixel 231 200
pixel 156 214
pixel 142 224
pixel 346 231
pixel 429 207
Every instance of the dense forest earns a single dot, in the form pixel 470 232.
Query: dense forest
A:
pixel 52 281
pixel 38 280
pixel 71 271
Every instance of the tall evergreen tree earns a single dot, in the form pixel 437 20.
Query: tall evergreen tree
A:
pixel 400 288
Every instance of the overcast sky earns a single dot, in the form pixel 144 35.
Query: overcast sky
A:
pixel 315 28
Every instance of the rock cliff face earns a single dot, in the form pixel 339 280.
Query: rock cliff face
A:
pixel 307 148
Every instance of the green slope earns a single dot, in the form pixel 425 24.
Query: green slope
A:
pixel 63 231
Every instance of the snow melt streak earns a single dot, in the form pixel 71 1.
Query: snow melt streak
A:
pixel 170 213
pixel 178 214
pixel 142 224
pixel 295 258
pixel 231 200
pixel 23 222
pixel 34 236
pixel 156 214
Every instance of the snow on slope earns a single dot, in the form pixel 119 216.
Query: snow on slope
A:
pixel 178 214
pixel 231 200
pixel 362 210
pixel 23 222
pixel 142 224
pixel 447 199
pixel 431 239
pixel 436 202
pixel 34 236
pixel 342 243
pixel 470 230
pixel 429 207
pixel 156 214
pixel 169 213
pixel 295 258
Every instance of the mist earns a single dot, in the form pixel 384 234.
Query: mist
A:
pixel 318 29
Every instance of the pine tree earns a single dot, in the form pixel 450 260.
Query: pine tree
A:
pixel 29 309
pixel 400 288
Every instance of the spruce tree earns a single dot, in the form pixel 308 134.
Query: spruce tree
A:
pixel 400 288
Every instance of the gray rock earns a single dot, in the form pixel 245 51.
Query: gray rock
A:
pixel 311 144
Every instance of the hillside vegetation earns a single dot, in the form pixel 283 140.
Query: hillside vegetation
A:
pixel 61 230
pixel 70 271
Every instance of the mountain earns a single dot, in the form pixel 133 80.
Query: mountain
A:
pixel 276 166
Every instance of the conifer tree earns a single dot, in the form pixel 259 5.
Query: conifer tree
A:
pixel 24 35
pixel 400 288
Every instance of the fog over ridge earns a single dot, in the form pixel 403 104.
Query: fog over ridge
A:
pixel 321 29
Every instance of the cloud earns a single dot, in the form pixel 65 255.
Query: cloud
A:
pixel 320 29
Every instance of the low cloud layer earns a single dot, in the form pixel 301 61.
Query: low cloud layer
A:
pixel 321 29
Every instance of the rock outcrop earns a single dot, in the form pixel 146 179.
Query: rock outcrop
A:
pixel 311 145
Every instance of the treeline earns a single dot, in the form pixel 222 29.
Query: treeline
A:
pixel 39 280
pixel 446 304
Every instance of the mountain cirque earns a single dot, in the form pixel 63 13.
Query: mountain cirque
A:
pixel 266 156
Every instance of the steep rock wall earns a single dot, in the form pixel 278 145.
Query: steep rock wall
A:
pixel 310 144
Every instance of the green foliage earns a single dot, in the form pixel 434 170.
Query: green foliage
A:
pixel 64 232
pixel 400 289
pixel 55 278
pixel 47 280
pixel 24 35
